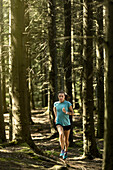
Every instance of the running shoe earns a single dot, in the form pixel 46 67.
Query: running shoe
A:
pixel 62 153
pixel 65 155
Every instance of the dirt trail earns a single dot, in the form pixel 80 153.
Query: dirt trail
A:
pixel 41 137
pixel 23 158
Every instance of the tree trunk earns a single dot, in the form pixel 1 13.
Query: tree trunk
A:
pixel 26 8
pixel 20 99
pixel 89 141
pixel 2 125
pixel 3 77
pixel 53 56
pixel 100 74
pixel 67 47
pixel 10 78
pixel 20 108
pixel 4 84
pixel 72 54
pixel 67 56
pixel 108 137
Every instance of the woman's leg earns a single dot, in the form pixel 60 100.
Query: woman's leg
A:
pixel 61 136
pixel 66 139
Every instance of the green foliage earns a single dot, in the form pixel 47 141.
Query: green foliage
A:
pixel 37 45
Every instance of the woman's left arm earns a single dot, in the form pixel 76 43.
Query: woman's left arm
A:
pixel 71 109
pixel 68 113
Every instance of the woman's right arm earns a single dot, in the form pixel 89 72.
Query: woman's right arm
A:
pixel 55 112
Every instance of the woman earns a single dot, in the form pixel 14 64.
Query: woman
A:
pixel 62 110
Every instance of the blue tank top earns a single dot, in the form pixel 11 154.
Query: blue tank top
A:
pixel 62 118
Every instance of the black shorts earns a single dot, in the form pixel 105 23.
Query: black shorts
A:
pixel 65 127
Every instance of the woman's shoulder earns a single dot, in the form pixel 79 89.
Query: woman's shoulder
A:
pixel 67 102
pixel 55 103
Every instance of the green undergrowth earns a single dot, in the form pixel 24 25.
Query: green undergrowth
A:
pixel 7 144
pixel 15 160
pixel 79 143
pixel 52 152
pixel 22 149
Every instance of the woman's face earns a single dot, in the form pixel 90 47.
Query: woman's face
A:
pixel 61 97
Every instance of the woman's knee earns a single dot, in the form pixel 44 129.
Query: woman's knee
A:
pixel 61 134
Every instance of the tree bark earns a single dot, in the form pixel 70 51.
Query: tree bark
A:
pixel 10 76
pixel 67 47
pixel 108 128
pixel 53 56
pixel 3 77
pixel 89 141
pixel 26 8
pixel 20 108
pixel 2 125
pixel 67 56
pixel 52 47
pixel 100 73
pixel 20 99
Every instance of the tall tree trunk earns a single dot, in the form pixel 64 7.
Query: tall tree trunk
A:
pixel 81 62
pixel 108 137
pixel 20 108
pixel 2 125
pixel 53 56
pixel 100 73
pixel 10 78
pixel 72 54
pixel 26 8
pixel 67 55
pixel 67 47
pixel 52 48
pixel 20 103
pixel 89 141
pixel 3 83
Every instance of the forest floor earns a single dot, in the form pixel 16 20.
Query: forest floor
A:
pixel 21 157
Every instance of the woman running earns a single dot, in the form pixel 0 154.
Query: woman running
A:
pixel 62 110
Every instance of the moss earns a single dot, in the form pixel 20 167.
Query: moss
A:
pixel 24 144
pixel 52 152
pixel 69 148
pixel 74 131
pixel 36 158
pixel 80 143
pixel 3 159
pixel 6 144
pixel 10 159
pixel 26 150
